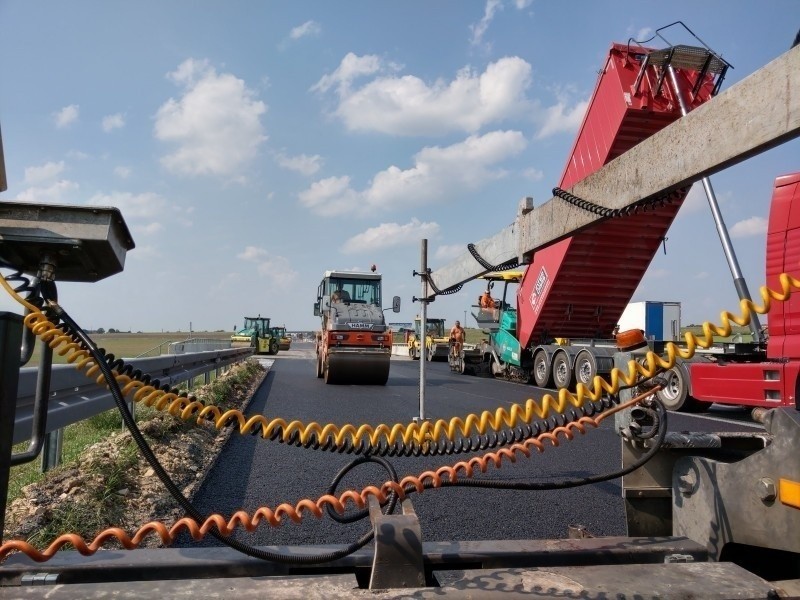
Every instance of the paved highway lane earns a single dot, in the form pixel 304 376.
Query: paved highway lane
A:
pixel 253 472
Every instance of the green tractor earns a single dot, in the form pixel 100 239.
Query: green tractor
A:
pixel 257 334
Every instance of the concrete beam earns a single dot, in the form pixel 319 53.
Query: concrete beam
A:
pixel 758 113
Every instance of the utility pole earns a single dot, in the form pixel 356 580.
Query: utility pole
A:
pixel 423 327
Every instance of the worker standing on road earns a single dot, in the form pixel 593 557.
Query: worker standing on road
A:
pixel 457 337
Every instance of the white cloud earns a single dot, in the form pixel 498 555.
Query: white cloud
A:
pixel 749 227
pixel 448 252
pixel 533 174
pixel 695 200
pixel 306 29
pixel 643 34
pixel 77 154
pixel 351 68
pixel 330 196
pixel 701 275
pixel 215 125
pixel 273 267
pixel 390 235
pixel 111 122
pixel 522 4
pixel 438 174
pixel 66 116
pixel 409 106
pixel 55 193
pixel 479 29
pixel 147 205
pixel 122 172
pixel 302 163
pixel 149 229
pixel 559 118
pixel 147 252
pixel 43 173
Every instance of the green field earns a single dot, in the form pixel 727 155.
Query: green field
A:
pixel 131 345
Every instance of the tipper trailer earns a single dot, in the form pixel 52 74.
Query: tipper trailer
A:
pixel 570 299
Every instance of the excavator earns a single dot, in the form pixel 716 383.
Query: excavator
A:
pixel 708 515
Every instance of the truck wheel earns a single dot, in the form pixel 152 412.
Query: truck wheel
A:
pixel 563 376
pixel 413 353
pixel 675 395
pixel 541 370
pixel 273 347
pixel 319 366
pixel 585 368
pixel 431 352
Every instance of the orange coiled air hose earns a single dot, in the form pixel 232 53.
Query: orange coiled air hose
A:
pixel 296 513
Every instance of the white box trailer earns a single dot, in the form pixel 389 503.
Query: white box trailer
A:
pixel 658 320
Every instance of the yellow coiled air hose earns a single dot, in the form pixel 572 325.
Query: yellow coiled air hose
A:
pixel 191 408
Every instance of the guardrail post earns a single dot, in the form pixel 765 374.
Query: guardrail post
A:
pixel 10 343
pixel 51 450
pixel 207 377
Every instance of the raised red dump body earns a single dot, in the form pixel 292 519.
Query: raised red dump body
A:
pixel 579 287
pixel 771 382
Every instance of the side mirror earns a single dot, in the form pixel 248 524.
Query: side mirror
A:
pixel 396 304
pixel 316 309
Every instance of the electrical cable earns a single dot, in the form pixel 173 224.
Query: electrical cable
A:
pixel 613 213
pixel 512 263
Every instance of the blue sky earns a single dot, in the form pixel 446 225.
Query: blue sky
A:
pixel 253 145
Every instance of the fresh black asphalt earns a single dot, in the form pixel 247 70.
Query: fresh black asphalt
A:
pixel 253 472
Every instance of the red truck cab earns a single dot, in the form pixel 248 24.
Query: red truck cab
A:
pixel 768 378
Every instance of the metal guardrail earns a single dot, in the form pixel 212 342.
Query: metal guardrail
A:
pixel 197 345
pixel 74 397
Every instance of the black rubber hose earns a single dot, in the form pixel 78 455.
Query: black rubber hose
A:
pixel 164 477
pixel 357 516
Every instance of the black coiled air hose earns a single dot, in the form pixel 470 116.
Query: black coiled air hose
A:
pixel 660 425
pixel 464 445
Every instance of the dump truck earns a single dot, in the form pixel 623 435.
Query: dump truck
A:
pixel 436 340
pixel 354 344
pixel 256 333
pixel 556 323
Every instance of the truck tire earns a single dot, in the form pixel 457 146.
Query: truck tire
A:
pixel 675 396
pixel 431 352
pixel 319 365
pixel 542 374
pixel 273 346
pixel 563 377
pixel 413 353
pixel 585 367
